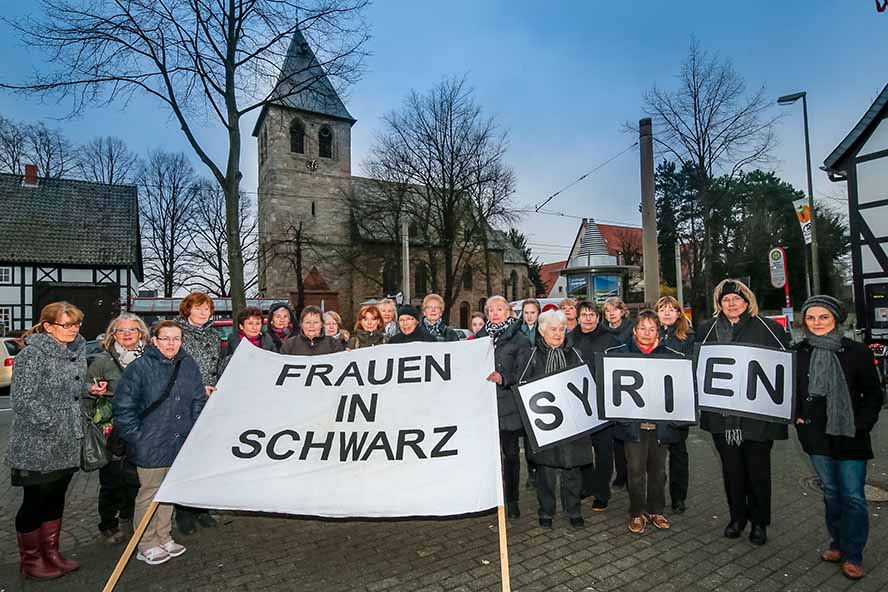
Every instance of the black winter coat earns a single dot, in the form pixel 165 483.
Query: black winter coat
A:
pixel 270 340
pixel 300 345
pixel 867 397
pixel 447 333
pixel 750 330
pixel 575 453
pixel 506 351
pixel 685 346
pixel 419 334
pixel 154 442
pixel 591 343
pixel 630 431
pixel 623 333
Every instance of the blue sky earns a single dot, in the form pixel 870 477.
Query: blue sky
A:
pixel 563 77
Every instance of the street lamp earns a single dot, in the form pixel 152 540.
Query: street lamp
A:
pixel 815 267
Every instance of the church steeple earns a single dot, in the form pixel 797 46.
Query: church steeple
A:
pixel 314 92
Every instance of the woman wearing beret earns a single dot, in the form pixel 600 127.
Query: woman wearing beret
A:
pixel 838 398
pixel 744 444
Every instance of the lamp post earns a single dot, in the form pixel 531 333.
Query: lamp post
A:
pixel 815 266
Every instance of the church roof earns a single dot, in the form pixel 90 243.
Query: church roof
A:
pixel 313 90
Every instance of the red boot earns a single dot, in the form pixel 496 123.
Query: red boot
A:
pixel 49 532
pixel 33 565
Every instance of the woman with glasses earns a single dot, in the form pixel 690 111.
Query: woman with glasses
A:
pixel 156 404
pixel 433 319
pixel 48 381
pixel 125 340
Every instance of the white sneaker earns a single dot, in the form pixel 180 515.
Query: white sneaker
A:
pixel 173 548
pixel 154 556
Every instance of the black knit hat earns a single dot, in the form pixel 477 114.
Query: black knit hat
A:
pixel 829 303
pixel 731 287
pixel 412 311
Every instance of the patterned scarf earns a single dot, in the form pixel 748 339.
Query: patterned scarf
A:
pixel 254 340
pixel 128 356
pixel 724 333
pixel 828 381
pixel 555 359
pixel 497 329
pixel 435 329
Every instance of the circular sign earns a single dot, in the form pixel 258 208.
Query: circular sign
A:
pixel 777 267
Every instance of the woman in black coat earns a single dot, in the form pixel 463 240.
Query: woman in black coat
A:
pixel 838 399
pixel 552 354
pixel 508 343
pixel 744 444
pixel 676 334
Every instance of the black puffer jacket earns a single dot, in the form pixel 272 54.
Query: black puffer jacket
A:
pixel 575 453
pixel 867 397
pixel 685 346
pixel 418 334
pixel 630 431
pixel 623 333
pixel 506 350
pixel 155 440
pixel 300 345
pixel 750 330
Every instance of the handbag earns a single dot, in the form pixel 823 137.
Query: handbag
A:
pixel 94 454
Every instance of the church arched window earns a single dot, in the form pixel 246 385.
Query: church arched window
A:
pixel 325 142
pixel 422 280
pixel 513 280
pixel 391 279
pixel 467 277
pixel 297 137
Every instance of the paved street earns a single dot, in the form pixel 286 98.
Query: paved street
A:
pixel 251 552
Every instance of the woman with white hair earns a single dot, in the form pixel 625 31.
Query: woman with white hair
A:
pixel 125 339
pixel 508 343
pixel 552 354
pixel 744 444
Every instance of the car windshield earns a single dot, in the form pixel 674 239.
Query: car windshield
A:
pixel 12 347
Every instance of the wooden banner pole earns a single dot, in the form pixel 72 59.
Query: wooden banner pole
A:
pixel 504 548
pixel 127 553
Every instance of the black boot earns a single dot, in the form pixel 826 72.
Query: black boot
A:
pixel 185 521
pixel 512 510
pixel 734 530
pixel 758 535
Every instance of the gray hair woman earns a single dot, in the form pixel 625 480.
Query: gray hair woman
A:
pixel 389 313
pixel 125 340
pixel 552 354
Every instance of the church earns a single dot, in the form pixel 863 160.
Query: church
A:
pixel 309 237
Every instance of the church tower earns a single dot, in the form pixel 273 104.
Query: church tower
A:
pixel 304 138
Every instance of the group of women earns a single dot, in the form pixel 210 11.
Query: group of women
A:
pixel 157 382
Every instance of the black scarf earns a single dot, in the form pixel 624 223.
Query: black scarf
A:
pixel 497 329
pixel 435 329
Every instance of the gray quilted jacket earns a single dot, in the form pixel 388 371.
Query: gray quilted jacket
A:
pixel 48 381
pixel 205 346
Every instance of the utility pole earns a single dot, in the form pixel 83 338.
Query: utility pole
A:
pixel 815 264
pixel 405 262
pixel 679 284
pixel 648 213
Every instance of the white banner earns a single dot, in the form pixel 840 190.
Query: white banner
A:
pixel 559 407
pixel 646 388
pixel 397 430
pixel 747 381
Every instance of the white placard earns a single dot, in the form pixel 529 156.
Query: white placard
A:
pixel 747 381
pixel 559 407
pixel 397 430
pixel 646 388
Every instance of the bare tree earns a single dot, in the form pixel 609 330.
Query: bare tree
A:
pixel 292 246
pixel 448 155
pixel 106 160
pixel 713 125
pixel 209 63
pixel 167 212
pixel 47 148
pixel 13 146
pixel 209 234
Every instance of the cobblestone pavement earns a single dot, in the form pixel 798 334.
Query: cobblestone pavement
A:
pixel 249 552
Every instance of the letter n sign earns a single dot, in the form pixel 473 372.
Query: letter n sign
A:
pixel 559 407
pixel 746 380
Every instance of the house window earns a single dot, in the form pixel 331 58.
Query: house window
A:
pixel 467 278
pixel 5 319
pixel 263 144
pixel 464 315
pixel 5 275
pixel 297 137
pixel 391 279
pixel 422 280
pixel 325 142
pixel 313 211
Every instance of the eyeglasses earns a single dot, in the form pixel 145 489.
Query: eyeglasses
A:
pixel 68 326
pixel 126 331
pixel 169 339
pixel 588 315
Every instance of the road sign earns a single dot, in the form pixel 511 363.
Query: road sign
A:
pixel 777 267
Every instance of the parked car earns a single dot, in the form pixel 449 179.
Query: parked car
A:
pixel 463 333
pixel 9 347
pixel 225 327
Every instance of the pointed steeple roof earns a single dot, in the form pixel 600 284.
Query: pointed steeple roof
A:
pixel 314 92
